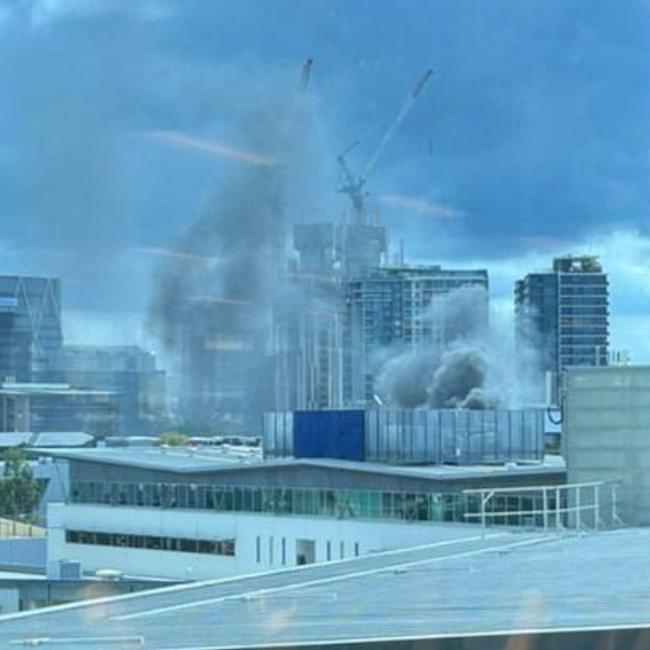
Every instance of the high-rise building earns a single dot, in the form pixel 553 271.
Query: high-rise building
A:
pixel 127 371
pixel 563 315
pixel 223 375
pixel 308 355
pixel 396 309
pixel 30 329
pixel 306 335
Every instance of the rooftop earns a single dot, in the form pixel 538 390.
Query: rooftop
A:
pixel 180 459
pixel 44 439
pixel 474 586
pixel 33 388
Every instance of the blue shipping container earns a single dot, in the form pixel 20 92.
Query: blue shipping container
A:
pixel 329 434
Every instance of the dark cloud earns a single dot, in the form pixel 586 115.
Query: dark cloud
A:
pixel 534 126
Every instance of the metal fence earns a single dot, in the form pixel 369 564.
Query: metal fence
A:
pixel 454 436
pixel 573 506
pixel 414 436
pixel 12 528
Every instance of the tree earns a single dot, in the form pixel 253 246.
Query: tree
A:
pixel 173 439
pixel 19 490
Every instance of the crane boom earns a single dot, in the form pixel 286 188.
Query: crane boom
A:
pixel 353 186
pixel 408 104
pixel 306 72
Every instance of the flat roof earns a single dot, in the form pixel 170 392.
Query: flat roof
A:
pixel 183 460
pixel 472 586
pixel 42 389
pixel 45 438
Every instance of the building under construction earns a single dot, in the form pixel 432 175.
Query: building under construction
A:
pixel 289 353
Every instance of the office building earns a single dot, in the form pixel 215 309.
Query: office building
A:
pixel 127 371
pixel 563 316
pixel 30 329
pixel 41 407
pixel 189 514
pixel 400 309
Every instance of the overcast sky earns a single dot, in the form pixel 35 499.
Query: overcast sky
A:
pixel 531 140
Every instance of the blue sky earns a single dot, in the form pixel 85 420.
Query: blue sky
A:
pixel 534 133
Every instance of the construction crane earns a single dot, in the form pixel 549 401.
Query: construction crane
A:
pixel 353 185
pixel 306 72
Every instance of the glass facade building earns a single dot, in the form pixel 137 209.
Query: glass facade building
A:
pixel 563 315
pixel 402 308
pixel 130 373
pixel 30 329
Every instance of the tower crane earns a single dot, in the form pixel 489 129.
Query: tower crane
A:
pixel 353 185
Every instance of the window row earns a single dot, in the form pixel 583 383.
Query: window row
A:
pixel 152 542
pixel 339 504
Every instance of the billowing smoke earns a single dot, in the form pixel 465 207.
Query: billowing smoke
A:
pixel 468 370
pixel 460 379
pixel 404 379
pixel 218 286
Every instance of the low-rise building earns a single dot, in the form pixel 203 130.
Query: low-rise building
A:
pixel 185 514
pixel 127 371
pixel 44 407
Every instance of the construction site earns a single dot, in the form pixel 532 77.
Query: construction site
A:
pixel 276 314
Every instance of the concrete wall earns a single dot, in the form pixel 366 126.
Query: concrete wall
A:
pixel 23 554
pixel 246 529
pixel 9 600
pixel 607 433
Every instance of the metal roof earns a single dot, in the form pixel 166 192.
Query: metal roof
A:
pixel 471 586
pixel 45 439
pixel 43 389
pixel 179 459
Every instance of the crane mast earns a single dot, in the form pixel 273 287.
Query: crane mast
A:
pixel 353 185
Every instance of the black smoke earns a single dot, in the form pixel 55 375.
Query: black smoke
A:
pixel 456 374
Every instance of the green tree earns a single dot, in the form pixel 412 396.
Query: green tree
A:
pixel 19 490
pixel 173 439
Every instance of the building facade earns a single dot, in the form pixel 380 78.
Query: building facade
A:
pixel 563 315
pixel 403 309
pixel 58 408
pixel 127 371
pixel 30 329
pixel 185 515
pixel 606 434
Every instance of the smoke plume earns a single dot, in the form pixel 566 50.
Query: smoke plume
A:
pixel 217 289
pixel 469 369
